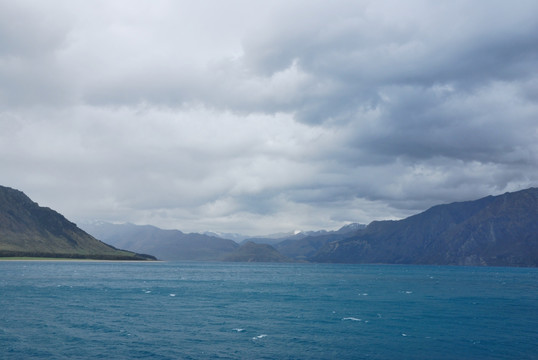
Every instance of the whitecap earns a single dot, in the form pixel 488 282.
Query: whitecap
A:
pixel 404 334
pixel 351 319
pixel 239 330
pixel 259 337
pixel 172 294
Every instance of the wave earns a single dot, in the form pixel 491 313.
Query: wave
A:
pixel 351 319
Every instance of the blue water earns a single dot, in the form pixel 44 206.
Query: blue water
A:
pixel 112 310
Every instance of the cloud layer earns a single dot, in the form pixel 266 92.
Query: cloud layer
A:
pixel 262 118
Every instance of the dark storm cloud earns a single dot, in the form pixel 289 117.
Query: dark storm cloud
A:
pixel 479 126
pixel 362 50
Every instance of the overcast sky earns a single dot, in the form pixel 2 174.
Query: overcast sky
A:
pixel 258 117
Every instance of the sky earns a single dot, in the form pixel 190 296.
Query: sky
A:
pixel 257 117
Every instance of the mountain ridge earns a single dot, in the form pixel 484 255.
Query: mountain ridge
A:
pixel 30 230
pixel 170 245
pixel 495 230
pixel 254 252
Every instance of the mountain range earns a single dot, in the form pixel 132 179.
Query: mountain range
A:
pixel 255 252
pixel 177 245
pixel 164 244
pixel 495 230
pixel 492 231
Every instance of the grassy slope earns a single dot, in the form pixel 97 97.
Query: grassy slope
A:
pixel 28 230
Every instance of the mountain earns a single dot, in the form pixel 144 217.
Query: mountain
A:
pixel 164 244
pixel 350 228
pixel 303 248
pixel 495 230
pixel 252 252
pixel 231 236
pixel 270 239
pixel 276 238
pixel 29 230
pixel 304 245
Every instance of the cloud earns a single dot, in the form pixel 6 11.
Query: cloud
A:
pixel 29 40
pixel 266 117
pixel 422 123
pixel 361 48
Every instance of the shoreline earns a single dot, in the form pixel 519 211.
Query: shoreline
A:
pixel 70 259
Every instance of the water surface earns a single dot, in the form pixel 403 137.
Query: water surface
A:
pixel 185 310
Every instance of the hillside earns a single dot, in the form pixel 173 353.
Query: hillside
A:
pixel 164 244
pixel 495 230
pixel 27 229
pixel 252 252
pixel 306 244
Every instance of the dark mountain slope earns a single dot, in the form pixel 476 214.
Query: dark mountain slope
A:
pixel 495 230
pixel 164 244
pixel 26 229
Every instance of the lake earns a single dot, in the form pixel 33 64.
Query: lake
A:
pixel 193 310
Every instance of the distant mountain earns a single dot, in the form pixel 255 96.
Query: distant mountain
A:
pixel 303 248
pixel 252 252
pixel 495 230
pixel 164 244
pixel 270 239
pixel 276 238
pixel 231 236
pixel 351 228
pixel 304 245
pixel 263 240
pixel 28 230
